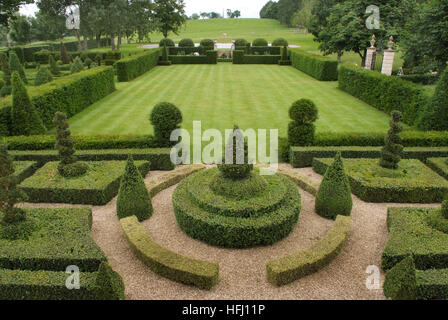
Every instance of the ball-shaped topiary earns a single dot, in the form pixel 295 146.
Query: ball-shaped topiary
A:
pixel 207 43
pixel 165 117
pixel 393 149
pixel 241 42
pixel 166 42
pixel 301 130
pixel 445 209
pixel 280 42
pixel 334 196
pixel 186 43
pixel 133 197
pixel 260 42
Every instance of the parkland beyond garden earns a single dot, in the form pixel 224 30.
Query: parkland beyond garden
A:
pixel 86 177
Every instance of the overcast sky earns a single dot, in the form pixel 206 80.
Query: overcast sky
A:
pixel 248 8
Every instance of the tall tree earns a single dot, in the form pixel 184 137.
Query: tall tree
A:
pixel 21 30
pixel 169 16
pixel 9 8
pixel 269 11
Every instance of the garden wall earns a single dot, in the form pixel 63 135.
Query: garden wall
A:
pixel 319 67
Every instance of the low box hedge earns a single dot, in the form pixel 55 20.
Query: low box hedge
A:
pixel 300 180
pixel 97 187
pixel 210 57
pixel 61 238
pixel 159 158
pixel 273 51
pixel 165 263
pixel 134 66
pixel 25 169
pixel 70 94
pixel 262 59
pixel 412 182
pixel 288 269
pixel 302 157
pixel 439 165
pixel 432 284
pixel 383 92
pixel 318 67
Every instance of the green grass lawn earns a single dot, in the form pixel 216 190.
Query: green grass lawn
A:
pixel 252 96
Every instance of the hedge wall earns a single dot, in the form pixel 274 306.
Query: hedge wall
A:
pixel 211 57
pixel 174 51
pixel 319 67
pixel 383 92
pixel 239 57
pixel 273 51
pixel 69 94
pixel 132 67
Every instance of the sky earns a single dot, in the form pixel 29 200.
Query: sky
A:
pixel 248 8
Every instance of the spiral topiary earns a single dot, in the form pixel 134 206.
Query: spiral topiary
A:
pixel 236 148
pixel 301 130
pixel 186 43
pixel 166 42
pixel 165 117
pixel 280 42
pixel 260 42
pixel 392 151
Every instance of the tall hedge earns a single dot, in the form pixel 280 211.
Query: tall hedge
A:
pixel 319 67
pixel 132 67
pixel 70 95
pixel 384 92
pixel 334 196
pixel 435 114
pixel 24 116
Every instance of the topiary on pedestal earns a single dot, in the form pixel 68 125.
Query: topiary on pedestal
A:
pixel 68 165
pixel 392 151
pixel 16 66
pixel 301 130
pixel 334 196
pixel 165 117
pixel 166 42
pixel 236 164
pixel 133 197
pixel 24 115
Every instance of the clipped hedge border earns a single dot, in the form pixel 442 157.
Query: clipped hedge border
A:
pixel 302 157
pixel 211 57
pixel 159 158
pixel 28 171
pixel 383 92
pixel 439 165
pixel 290 268
pixel 165 263
pixel 301 181
pixel 273 51
pixel 132 67
pixel 316 66
pixel 70 94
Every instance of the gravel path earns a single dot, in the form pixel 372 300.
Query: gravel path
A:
pixel 242 272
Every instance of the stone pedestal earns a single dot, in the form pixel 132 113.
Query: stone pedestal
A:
pixel 370 58
pixel 388 62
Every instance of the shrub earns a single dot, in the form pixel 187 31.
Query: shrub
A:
pixel 165 117
pixel 166 42
pixel 435 114
pixel 265 59
pixel 4 65
pixel 88 62
pixel 98 59
pixel 20 54
pixel 132 67
pixel 133 197
pixel 77 66
pixel 23 113
pixel 54 67
pixel 64 56
pixel 401 282
pixel 334 196
pixel 319 67
pixel 445 209
pixel 392 151
pixel 208 43
pixel 383 92
pixel 15 65
pixel 259 42
pixel 2 83
pixel 280 42
pixel 43 76
pixel 241 43
pixel 186 43
pixel 301 130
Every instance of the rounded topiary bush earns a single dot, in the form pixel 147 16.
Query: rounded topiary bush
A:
pixel 133 197
pixel 303 111
pixel 165 117
pixel 301 130
pixel 260 42
pixel 280 42
pixel 334 196
pixel 166 42
pixel 445 209
pixel 186 43
pixel 207 43
pixel 241 42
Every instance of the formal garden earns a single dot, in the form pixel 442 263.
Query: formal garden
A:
pixel 94 207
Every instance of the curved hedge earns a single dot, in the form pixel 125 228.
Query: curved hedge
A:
pixel 134 66
pixel 166 263
pixel 236 232
pixel 319 67
pixel 288 269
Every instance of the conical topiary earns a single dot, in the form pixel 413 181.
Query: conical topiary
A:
pixel 24 116
pixel 16 66
pixel 64 56
pixel 54 68
pixel 43 76
pixel 392 151
pixel 77 66
pixel 334 196
pixel 133 197
pixel 4 65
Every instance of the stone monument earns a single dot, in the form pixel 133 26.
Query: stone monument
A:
pixel 388 60
pixel 371 55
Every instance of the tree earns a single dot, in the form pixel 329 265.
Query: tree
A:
pixel 21 30
pixel 169 16
pixel 269 11
pixel 302 17
pixel 392 151
pixel 46 27
pixel 9 8
pixel 195 16
pixel 9 193
pixel 133 197
pixel 24 115
pixel 236 14
pixel 435 115
pixel 15 65
pixel 214 15
pixel 334 196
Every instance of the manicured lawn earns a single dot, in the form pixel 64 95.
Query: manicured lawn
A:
pixel 252 96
